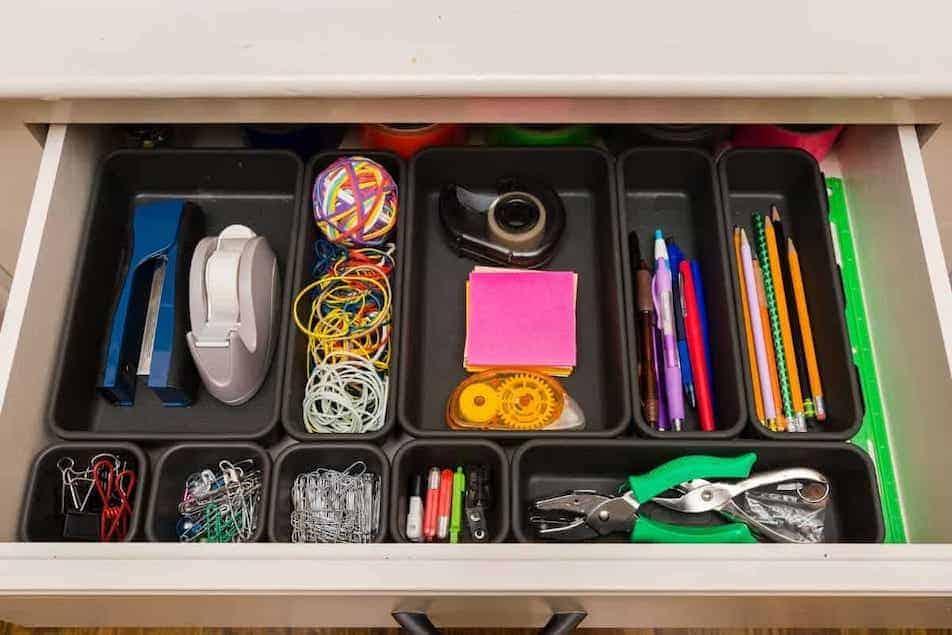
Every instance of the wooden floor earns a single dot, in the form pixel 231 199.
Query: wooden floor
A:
pixel 11 629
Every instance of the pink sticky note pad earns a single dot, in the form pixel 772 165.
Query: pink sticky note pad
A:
pixel 521 318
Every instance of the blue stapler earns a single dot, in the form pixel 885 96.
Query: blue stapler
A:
pixel 153 303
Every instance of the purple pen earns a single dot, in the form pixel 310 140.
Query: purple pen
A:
pixel 663 295
pixel 663 424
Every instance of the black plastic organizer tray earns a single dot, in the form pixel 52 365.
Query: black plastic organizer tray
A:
pixel 433 328
pixel 257 188
pixel 306 457
pixel 296 376
pixel 417 457
pixel 675 190
pixel 751 181
pixel 40 518
pixel 546 468
pixel 180 461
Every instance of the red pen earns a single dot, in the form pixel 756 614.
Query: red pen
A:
pixel 432 504
pixel 446 501
pixel 695 338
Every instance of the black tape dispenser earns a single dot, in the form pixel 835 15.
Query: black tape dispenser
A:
pixel 518 226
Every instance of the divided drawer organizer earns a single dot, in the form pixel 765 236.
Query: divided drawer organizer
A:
pixel 881 167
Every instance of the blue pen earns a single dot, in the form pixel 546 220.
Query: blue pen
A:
pixel 675 255
pixel 702 314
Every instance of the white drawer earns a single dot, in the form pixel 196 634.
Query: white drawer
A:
pixel 909 308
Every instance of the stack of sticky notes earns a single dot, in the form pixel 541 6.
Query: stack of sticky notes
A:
pixel 520 318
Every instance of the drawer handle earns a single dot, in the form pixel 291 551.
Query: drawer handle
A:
pixel 417 622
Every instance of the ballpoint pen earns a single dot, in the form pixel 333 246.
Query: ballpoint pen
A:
pixel 756 324
pixel 664 424
pixel 646 369
pixel 664 307
pixel 692 323
pixel 702 313
pixel 675 257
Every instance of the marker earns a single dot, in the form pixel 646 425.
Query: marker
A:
pixel 456 515
pixel 664 306
pixel 444 505
pixel 432 504
pixel 415 514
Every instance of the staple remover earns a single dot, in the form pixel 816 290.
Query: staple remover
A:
pixel 585 514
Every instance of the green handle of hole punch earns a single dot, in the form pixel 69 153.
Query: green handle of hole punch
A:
pixel 647 530
pixel 686 468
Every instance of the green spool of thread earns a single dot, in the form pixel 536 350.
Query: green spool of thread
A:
pixel 762 253
pixel 512 135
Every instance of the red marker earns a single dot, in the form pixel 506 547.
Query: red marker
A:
pixel 432 504
pixel 695 338
pixel 446 502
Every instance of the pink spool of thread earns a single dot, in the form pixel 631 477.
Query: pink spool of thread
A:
pixel 817 140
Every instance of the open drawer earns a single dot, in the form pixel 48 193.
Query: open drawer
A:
pixel 909 310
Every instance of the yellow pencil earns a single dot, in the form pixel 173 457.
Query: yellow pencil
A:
pixel 754 375
pixel 809 351
pixel 799 423
pixel 771 355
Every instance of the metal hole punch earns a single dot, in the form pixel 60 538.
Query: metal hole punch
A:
pixel 147 333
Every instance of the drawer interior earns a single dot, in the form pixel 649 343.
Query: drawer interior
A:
pixel 895 248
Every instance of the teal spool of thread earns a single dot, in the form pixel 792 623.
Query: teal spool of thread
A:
pixel 541 135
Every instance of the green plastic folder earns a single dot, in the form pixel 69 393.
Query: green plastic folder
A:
pixel 873 435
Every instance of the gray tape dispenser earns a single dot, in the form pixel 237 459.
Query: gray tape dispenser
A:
pixel 233 299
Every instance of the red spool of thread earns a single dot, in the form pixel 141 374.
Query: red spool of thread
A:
pixel 817 140
pixel 408 139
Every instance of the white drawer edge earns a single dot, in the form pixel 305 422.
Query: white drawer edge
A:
pixel 29 253
pixel 66 175
pixel 907 570
pixel 929 234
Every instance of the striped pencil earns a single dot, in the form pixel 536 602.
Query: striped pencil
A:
pixel 798 423
pixel 760 228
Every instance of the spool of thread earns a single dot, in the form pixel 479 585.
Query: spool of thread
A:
pixel 355 202
pixel 541 135
pixel 815 139
pixel 303 140
pixel 407 139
